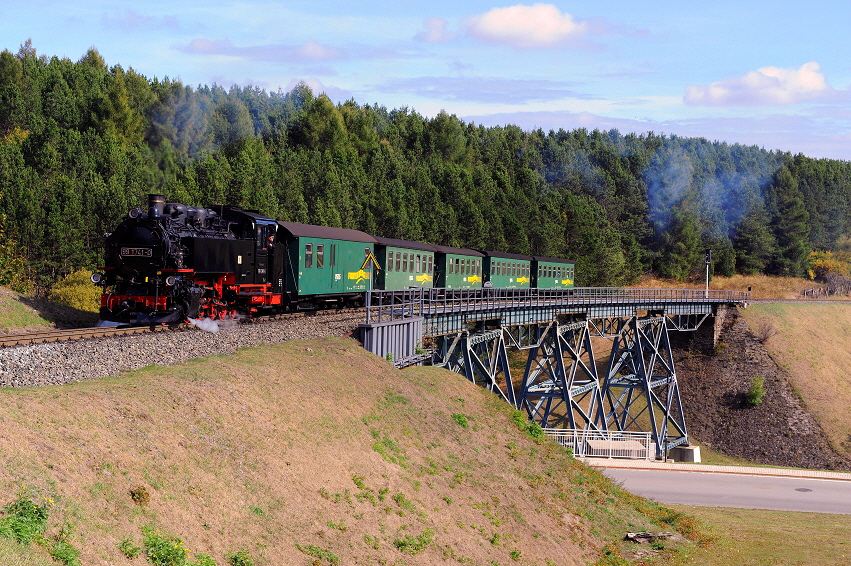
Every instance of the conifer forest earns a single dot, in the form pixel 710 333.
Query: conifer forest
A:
pixel 82 142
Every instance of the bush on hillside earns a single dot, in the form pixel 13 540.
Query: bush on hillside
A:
pixel 77 290
pixel 13 267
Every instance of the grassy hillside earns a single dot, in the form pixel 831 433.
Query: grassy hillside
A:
pixel 303 453
pixel 813 344
pixel 22 313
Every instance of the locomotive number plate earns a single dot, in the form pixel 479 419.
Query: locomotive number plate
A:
pixel 137 252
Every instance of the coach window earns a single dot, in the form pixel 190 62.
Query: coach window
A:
pixel 389 261
pixel 398 261
pixel 320 255
pixel 404 262
pixel 333 258
pixel 430 264
pixel 308 255
pixel 417 269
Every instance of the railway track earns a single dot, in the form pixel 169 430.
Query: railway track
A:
pixel 74 334
pixel 106 331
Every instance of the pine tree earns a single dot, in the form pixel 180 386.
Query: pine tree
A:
pixel 789 225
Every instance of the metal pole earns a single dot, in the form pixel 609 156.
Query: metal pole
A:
pixel 708 260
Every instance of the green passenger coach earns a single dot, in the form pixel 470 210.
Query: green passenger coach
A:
pixel 403 264
pixel 458 268
pixel 507 271
pixel 553 273
pixel 327 261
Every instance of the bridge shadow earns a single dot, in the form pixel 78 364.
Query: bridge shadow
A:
pixel 59 315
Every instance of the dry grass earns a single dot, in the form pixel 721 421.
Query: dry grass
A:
pixel 751 537
pixel 813 344
pixel 317 444
pixel 762 286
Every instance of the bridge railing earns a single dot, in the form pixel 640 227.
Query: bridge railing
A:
pixel 420 301
pixel 605 444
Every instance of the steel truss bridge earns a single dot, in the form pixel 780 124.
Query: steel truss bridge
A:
pixel 564 384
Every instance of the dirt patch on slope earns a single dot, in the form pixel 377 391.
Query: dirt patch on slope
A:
pixel 779 431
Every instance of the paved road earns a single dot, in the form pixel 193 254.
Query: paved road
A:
pixel 737 490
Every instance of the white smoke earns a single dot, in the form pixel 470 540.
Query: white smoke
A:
pixel 205 324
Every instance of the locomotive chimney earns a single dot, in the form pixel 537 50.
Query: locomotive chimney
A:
pixel 156 205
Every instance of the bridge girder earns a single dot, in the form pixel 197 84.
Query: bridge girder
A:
pixel 640 390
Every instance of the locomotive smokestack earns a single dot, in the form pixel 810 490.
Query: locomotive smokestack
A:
pixel 156 205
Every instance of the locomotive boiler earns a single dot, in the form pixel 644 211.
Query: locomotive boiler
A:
pixel 175 262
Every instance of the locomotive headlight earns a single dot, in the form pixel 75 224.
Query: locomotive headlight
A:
pixel 134 213
pixel 96 278
pixel 170 280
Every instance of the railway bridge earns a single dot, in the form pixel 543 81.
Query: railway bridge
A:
pixel 564 384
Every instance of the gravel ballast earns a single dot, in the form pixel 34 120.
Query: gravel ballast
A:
pixel 56 363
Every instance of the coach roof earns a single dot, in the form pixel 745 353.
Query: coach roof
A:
pixel 508 255
pixel 396 243
pixel 457 251
pixel 552 259
pixel 311 231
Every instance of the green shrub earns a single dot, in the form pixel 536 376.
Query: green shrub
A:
pixel 460 420
pixel 63 551
pixel 240 558
pixel 77 290
pixel 531 428
pixel 163 550
pixel 203 560
pixel 13 267
pixel 24 521
pixel 757 391
pixel 413 545
pixel 129 549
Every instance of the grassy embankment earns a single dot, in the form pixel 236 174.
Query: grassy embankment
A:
pixel 205 463
pixel 303 453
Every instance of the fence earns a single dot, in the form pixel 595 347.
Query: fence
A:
pixel 391 305
pixel 605 444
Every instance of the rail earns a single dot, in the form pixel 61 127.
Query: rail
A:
pixel 73 334
pixel 420 301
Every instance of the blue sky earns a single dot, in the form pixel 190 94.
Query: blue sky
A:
pixel 775 74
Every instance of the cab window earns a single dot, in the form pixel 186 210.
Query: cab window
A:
pixel 308 255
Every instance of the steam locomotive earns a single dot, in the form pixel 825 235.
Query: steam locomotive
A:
pixel 174 262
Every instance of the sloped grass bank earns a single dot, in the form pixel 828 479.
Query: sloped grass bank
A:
pixel 813 344
pixel 304 453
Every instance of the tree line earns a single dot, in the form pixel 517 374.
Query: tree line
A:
pixel 82 142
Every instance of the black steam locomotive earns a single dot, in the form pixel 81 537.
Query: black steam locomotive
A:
pixel 176 262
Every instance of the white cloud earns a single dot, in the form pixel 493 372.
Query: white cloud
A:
pixel 528 27
pixel 309 51
pixel 314 51
pixel 768 85
pixel 435 31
